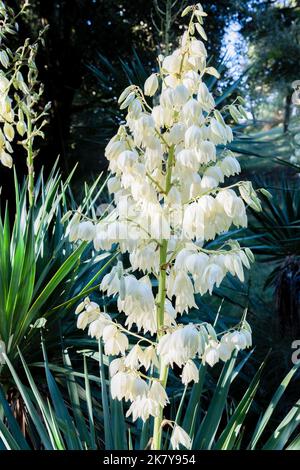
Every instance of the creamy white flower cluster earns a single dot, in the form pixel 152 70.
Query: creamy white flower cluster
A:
pixel 179 346
pixel 169 164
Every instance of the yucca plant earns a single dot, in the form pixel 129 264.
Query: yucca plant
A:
pixel 175 344
pixel 261 148
pixel 41 270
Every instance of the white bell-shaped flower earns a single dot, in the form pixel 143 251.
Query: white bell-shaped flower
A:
pixel 180 437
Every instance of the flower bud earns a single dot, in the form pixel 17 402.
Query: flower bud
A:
pixel 151 85
pixel 4 59
pixel 9 131
pixel 21 128
pixel 190 373
pixel 6 159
